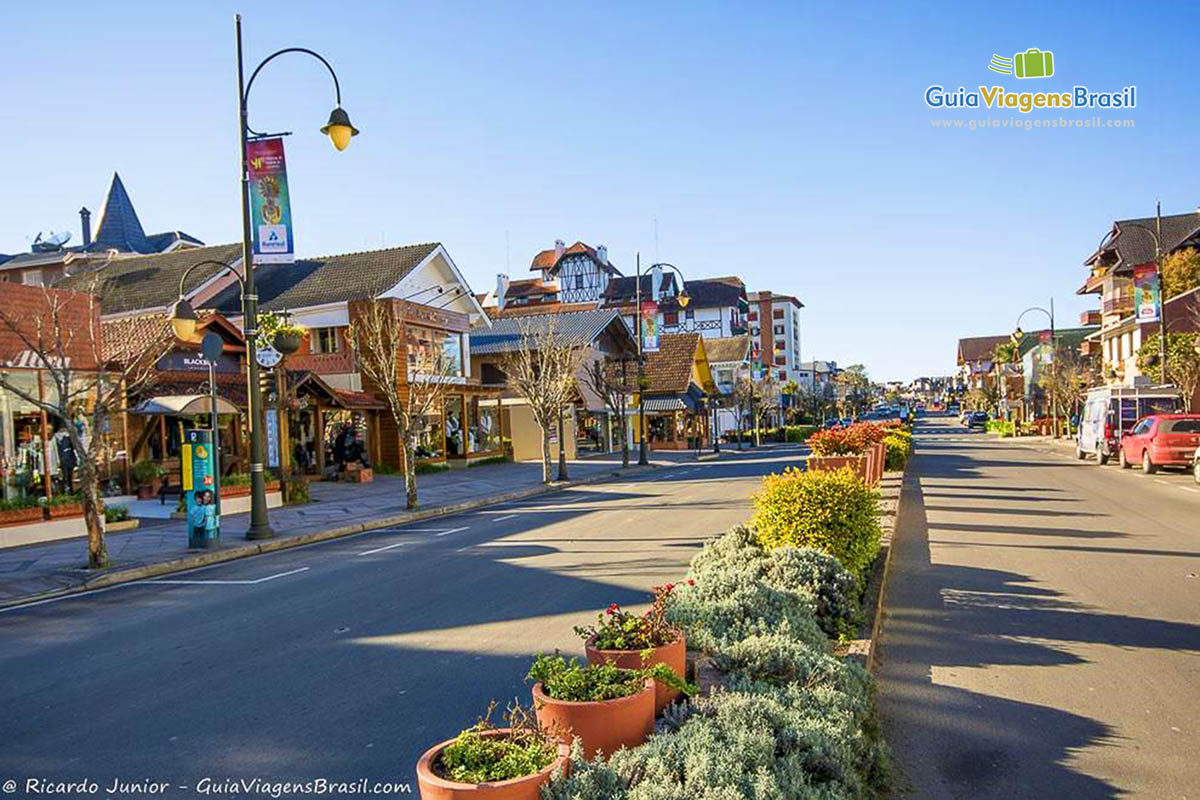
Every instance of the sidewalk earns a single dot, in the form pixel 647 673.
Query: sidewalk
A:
pixel 338 509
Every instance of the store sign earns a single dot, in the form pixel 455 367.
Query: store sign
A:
pixel 649 326
pixel 200 490
pixel 178 361
pixel 1147 293
pixel 270 207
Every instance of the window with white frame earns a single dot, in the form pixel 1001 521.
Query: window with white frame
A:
pixel 324 340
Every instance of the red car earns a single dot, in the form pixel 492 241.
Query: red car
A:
pixel 1161 440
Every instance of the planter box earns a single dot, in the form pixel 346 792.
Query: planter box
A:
pixel 72 510
pixel 244 491
pixel 360 475
pixel 121 525
pixel 20 516
pixel 878 453
pixel 830 463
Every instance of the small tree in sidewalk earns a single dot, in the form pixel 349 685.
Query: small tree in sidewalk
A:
pixel 542 371
pixel 608 380
pixel 1182 367
pixel 89 379
pixel 412 376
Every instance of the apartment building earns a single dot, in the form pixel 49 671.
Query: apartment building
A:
pixel 774 321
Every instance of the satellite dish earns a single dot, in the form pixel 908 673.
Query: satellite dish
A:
pixel 48 244
pixel 59 239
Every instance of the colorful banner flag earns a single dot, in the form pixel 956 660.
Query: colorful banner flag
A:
pixel 649 326
pixel 1147 293
pixel 270 209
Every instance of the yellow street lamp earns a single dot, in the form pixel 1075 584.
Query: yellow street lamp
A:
pixel 338 129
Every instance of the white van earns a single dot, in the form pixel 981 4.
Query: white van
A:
pixel 1111 411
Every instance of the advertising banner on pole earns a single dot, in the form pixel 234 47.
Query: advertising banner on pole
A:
pixel 1147 293
pixel 270 207
pixel 199 488
pixel 649 326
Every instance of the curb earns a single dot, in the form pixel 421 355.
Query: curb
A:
pixel 209 558
pixel 877 623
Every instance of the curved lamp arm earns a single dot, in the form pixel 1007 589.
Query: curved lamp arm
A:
pixel 210 262
pixel 682 280
pixel 183 317
pixel 337 87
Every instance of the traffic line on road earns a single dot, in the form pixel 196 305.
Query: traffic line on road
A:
pixel 452 530
pixel 506 516
pixel 381 549
pixel 229 582
pixel 1190 489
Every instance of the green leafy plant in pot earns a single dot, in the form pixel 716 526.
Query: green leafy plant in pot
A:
pixel 508 763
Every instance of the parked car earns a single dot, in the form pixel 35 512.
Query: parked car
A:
pixel 1111 412
pixel 977 419
pixel 1161 440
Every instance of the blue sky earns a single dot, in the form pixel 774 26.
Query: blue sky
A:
pixel 786 143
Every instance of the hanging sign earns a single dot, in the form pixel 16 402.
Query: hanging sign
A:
pixel 1146 293
pixel 268 357
pixel 272 429
pixel 649 326
pixel 200 490
pixel 270 208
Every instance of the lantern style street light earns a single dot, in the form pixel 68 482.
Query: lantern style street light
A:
pixel 340 131
pixel 683 299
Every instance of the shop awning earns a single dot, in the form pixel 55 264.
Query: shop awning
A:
pixel 184 405
pixel 675 403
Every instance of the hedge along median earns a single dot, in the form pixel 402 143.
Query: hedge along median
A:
pixel 761 604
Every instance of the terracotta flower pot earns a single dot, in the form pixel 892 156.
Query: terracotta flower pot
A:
pixel 674 655
pixel 603 726
pixel 435 787
pixel 830 463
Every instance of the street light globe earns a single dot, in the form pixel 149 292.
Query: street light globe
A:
pixel 338 128
pixel 684 299
pixel 183 320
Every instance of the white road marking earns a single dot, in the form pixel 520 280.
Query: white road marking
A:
pixel 1160 480
pixel 381 549
pixel 506 516
pixel 1190 489
pixel 231 583
pixel 452 530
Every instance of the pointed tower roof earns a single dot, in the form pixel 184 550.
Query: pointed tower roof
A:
pixel 119 226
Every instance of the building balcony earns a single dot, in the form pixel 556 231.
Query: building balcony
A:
pixel 1117 303
pixel 1091 317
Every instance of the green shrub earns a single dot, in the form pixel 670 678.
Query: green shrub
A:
pixel 235 479
pixel 297 491
pixel 831 591
pixel 722 606
pixel 146 471
pixel 1002 427
pixel 831 511
pixel 384 469
pixel 65 500
pixel 823 584
pixel 476 758
pixel 18 503
pixel 568 680
pixel 116 513
pixel 898 451
pixel 430 467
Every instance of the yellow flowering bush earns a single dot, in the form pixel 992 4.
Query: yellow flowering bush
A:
pixel 831 511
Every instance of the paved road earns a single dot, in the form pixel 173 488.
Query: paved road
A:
pixel 1042 634
pixel 344 659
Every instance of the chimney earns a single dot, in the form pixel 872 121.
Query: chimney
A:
pixel 501 289
pixel 559 246
pixel 85 222
pixel 602 253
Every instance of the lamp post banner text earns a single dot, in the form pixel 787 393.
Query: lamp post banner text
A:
pixel 270 208
pixel 1146 293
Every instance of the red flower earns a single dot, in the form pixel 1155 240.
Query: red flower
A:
pixel 691 582
pixel 613 608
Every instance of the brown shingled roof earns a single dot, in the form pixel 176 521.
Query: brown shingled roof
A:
pixel 979 348
pixel 728 348
pixel 670 369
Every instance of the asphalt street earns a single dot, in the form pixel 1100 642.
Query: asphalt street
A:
pixel 1042 628
pixel 342 660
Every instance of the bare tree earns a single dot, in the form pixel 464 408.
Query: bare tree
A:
pixel 63 332
pixel 413 377
pixel 608 380
pixel 759 397
pixel 543 370
pixel 1065 380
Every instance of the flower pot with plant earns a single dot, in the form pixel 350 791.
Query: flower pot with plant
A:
pixel 509 763
pixel 605 706
pixel 284 336
pixel 149 475
pixel 634 641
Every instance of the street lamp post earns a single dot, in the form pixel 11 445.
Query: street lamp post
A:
pixel 1053 354
pixel 340 131
pixel 683 298
pixel 1162 311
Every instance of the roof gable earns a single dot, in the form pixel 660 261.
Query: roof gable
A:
pixel 670 369
pixel 508 334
